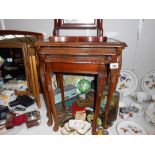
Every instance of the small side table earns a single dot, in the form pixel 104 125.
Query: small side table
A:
pixel 83 57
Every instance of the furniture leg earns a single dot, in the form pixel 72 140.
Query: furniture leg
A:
pixel 45 94
pixel 49 76
pixel 60 78
pixel 99 95
pixel 114 75
pixel 57 79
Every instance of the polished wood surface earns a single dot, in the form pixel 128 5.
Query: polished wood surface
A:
pixel 83 58
pixel 77 39
pixel 79 55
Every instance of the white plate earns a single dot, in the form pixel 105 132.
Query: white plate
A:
pixel 127 82
pixel 148 120
pixel 150 112
pixel 130 128
pixel 76 124
pixel 148 83
pixel 130 115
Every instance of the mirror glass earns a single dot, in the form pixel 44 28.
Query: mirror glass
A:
pixel 18 62
pixel 13 64
pixel 79 21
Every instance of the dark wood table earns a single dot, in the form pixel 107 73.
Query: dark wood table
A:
pixel 84 55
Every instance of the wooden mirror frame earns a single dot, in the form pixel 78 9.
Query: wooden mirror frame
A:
pixel 38 36
pixel 30 58
pixel 61 24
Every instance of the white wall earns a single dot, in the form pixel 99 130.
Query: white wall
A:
pixel 145 52
pixel 44 26
pixel 138 56
pixel 126 31
pixel 2 24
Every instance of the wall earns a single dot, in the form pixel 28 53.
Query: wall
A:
pixel 2 24
pixel 123 30
pixel 44 26
pixel 145 51
pixel 138 56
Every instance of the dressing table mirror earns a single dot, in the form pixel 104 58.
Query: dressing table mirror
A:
pixel 20 63
pixel 84 24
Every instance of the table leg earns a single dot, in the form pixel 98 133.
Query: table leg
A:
pixel 99 95
pixel 114 75
pixel 45 94
pixel 57 79
pixel 49 76
pixel 60 79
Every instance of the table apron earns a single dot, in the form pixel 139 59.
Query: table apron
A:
pixel 79 51
pixel 76 59
pixel 75 68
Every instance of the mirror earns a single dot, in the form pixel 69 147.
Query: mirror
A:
pixel 13 57
pixel 78 24
pixel 18 62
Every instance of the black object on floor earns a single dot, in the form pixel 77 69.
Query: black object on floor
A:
pixel 4 110
pixel 24 100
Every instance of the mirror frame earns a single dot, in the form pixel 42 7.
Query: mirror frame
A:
pixel 31 61
pixel 38 36
pixel 61 24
